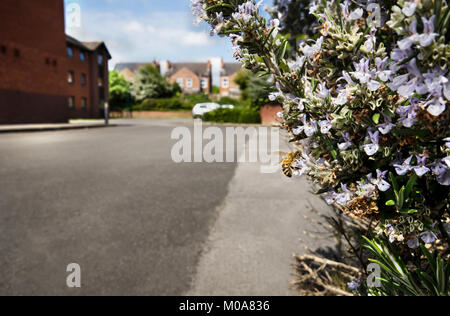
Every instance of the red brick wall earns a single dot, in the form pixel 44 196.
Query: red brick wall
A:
pixel 185 74
pixel 32 72
pixel 269 114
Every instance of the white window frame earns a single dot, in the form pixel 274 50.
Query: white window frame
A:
pixel 225 83
pixel 189 83
pixel 204 83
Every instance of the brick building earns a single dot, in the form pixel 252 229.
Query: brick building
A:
pixel 87 78
pixel 191 77
pixel 35 69
pixel 228 73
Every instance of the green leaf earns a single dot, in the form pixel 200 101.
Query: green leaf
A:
pixel 410 185
pixel 390 203
pixel 394 181
pixel 376 118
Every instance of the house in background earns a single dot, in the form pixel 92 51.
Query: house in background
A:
pixel 87 77
pixel 191 77
pixel 45 76
pixel 228 73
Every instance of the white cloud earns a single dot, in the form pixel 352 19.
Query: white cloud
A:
pixel 155 36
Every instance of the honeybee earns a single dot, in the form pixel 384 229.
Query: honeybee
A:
pixel 287 163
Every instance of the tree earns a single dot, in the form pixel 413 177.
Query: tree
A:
pixel 255 88
pixel 151 84
pixel 120 91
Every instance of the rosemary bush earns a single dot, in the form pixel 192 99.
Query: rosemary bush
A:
pixel 367 101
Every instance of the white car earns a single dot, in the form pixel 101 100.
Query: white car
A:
pixel 200 109
pixel 227 106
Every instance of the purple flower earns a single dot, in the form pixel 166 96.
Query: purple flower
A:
pixel 344 197
pixel 444 178
pixel 362 71
pixel 421 169
pixel 407 88
pixel 371 40
pixel 428 36
pixel 372 148
pixel 297 64
pixel 354 285
pixel 309 128
pixel 380 181
pixel 403 168
pixel 428 237
pixel 246 11
pixel 275 95
pixel 325 125
pixel 330 197
pixel 436 106
pixel 382 73
pixel 349 16
pixel 413 243
pixel 300 103
pixel 324 92
pixel 447 161
pixel 346 77
pixel 407 115
pixel 387 126
pixel 347 142
pixel 312 51
pixel 275 25
pixel 442 171
pixel 409 8
pixel 342 98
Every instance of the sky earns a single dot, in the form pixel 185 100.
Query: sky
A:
pixel 147 30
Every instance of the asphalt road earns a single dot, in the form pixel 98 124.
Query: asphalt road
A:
pixel 110 200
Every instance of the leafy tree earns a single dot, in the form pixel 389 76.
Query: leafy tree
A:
pixel 151 84
pixel 254 87
pixel 120 91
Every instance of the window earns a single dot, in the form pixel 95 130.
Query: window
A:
pixel 204 83
pixel 70 52
pixel 71 77
pixel 180 82
pixel 189 83
pixel 47 61
pixel 100 82
pixel 225 83
pixel 17 53
pixel 3 49
pixel 71 102
pixel 82 56
pixel 100 59
pixel 83 79
pixel 55 63
pixel 84 103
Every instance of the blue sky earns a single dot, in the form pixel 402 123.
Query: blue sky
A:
pixel 143 30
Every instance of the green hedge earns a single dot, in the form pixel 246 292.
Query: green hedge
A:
pixel 180 102
pixel 236 115
pixel 175 103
